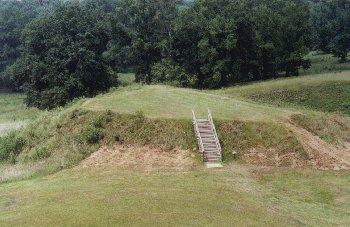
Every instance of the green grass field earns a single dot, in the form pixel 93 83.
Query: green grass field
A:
pixel 325 63
pixel 159 101
pixel 12 108
pixel 235 195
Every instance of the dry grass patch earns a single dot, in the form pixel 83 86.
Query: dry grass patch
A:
pixel 146 158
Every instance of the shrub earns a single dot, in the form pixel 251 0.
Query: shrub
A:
pixel 101 119
pixel 90 135
pixel 40 153
pixel 10 147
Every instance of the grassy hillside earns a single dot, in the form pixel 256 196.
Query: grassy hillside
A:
pixel 61 139
pixel 324 92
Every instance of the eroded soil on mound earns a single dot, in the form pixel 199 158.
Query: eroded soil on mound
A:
pixel 318 153
pixel 261 156
pixel 321 155
pixel 146 158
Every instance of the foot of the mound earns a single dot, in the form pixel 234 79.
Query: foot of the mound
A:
pixel 211 165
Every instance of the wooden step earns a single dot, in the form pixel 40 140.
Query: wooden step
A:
pixel 209 142
pixel 207 134
pixel 211 156
pixel 207 139
pixel 210 145
pixel 211 150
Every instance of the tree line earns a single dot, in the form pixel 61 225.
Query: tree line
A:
pixel 56 51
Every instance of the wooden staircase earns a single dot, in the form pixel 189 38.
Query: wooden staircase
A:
pixel 207 138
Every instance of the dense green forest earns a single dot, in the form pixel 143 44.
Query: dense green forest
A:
pixel 56 51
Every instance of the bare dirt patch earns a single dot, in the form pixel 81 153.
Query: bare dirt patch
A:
pixel 145 158
pixel 271 157
pixel 321 155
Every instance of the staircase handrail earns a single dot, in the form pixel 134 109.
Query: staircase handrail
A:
pixel 199 138
pixel 214 131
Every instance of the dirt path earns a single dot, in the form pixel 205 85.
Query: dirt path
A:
pixel 144 158
pixel 8 126
pixel 321 155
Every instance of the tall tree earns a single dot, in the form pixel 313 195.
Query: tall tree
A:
pixel 330 22
pixel 340 44
pixel 14 16
pixel 62 57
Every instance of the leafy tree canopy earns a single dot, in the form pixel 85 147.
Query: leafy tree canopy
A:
pixel 62 57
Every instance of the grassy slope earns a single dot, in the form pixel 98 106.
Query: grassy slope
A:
pixel 61 139
pixel 324 92
pixel 232 196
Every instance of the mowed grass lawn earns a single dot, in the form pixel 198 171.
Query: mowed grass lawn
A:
pixel 233 196
pixel 157 101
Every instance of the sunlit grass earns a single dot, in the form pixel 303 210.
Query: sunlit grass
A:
pixel 158 101
pixel 231 196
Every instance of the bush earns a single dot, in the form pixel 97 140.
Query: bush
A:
pixel 101 119
pixel 40 153
pixel 10 147
pixel 90 135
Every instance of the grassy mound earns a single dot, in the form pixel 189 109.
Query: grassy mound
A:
pixel 334 129
pixel 63 137
pixel 326 97
pixel 60 140
pixel 325 92
pixel 168 102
